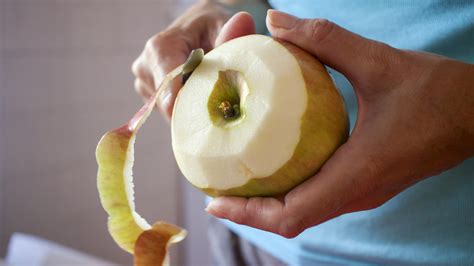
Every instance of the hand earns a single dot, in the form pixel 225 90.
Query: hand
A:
pixel 415 119
pixel 198 27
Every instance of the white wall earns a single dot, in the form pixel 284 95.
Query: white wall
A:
pixel 66 80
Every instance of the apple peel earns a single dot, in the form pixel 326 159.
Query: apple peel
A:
pixel 115 157
pixel 151 247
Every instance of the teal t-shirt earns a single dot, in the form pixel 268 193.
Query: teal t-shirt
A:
pixel 432 222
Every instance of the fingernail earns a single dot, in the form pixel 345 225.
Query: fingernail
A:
pixel 281 20
pixel 212 206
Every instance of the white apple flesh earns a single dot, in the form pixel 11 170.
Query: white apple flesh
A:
pixel 256 118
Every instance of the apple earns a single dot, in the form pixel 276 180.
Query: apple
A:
pixel 257 117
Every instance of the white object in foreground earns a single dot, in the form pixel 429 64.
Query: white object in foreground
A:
pixel 30 250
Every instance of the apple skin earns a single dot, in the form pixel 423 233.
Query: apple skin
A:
pixel 115 156
pixel 325 127
pixel 111 156
pixel 151 247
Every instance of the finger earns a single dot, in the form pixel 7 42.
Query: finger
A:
pixel 319 199
pixel 165 52
pixel 142 72
pixel 143 89
pixel 258 212
pixel 345 51
pixel 170 56
pixel 238 25
pixel 168 97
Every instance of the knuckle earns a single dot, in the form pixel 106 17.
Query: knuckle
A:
pixel 154 42
pixel 384 64
pixel 291 227
pixel 254 205
pixel 383 59
pixel 142 88
pixel 158 42
pixel 138 86
pixel 373 205
pixel 140 70
pixel 379 57
pixel 238 218
pixel 319 29
pixel 136 67
pixel 252 208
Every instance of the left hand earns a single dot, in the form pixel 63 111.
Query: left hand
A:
pixel 415 119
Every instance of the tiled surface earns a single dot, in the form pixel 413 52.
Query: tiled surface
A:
pixel 65 80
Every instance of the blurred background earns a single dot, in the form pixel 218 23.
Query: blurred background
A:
pixel 65 80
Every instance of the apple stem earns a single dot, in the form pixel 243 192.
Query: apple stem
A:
pixel 228 110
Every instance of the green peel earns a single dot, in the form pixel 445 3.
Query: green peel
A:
pixel 115 156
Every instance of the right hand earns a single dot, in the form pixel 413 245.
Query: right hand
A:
pixel 201 26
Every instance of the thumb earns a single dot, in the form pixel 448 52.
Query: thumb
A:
pixel 354 56
pixel 238 25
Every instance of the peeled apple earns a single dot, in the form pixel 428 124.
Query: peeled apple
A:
pixel 256 118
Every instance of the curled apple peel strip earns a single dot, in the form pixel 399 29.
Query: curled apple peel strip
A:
pixel 115 156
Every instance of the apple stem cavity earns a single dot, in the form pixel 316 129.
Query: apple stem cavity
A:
pixel 229 111
pixel 227 98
